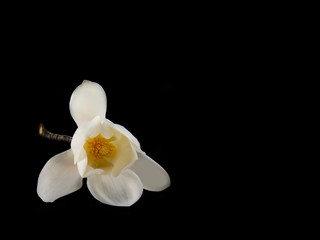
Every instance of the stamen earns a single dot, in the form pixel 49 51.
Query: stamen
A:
pixel 100 152
pixel 52 136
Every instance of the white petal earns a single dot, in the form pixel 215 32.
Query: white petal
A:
pixel 126 153
pixel 130 136
pixel 85 170
pixel 107 128
pixel 123 190
pixel 82 166
pixel 81 135
pixel 87 101
pixel 151 174
pixel 58 177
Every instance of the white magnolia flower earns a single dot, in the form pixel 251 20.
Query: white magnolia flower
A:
pixel 107 154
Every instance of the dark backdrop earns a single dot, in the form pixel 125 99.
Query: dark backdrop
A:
pixel 157 87
pixel 197 87
pixel 149 97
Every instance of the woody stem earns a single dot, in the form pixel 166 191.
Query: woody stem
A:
pixel 53 136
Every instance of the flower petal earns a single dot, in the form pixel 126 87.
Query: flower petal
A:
pixel 85 170
pixel 58 177
pixel 82 166
pixel 151 174
pixel 126 153
pixel 130 136
pixel 87 101
pixel 81 135
pixel 123 190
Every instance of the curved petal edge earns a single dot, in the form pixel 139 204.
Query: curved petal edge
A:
pixel 151 174
pixel 59 177
pixel 87 101
pixel 123 190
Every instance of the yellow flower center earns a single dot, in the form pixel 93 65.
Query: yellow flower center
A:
pixel 100 152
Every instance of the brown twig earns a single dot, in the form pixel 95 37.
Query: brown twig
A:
pixel 52 136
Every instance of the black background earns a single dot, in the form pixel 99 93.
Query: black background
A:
pixel 196 86
pixel 163 83
pixel 150 96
